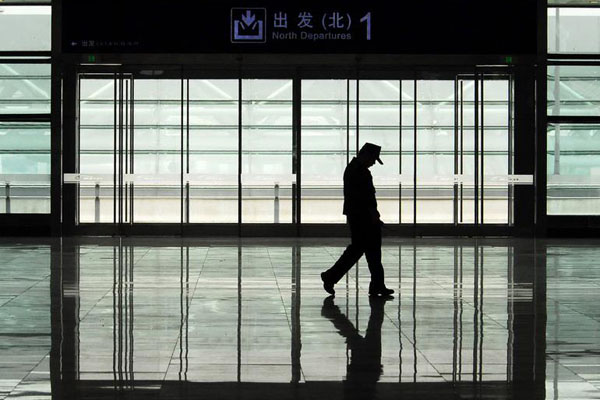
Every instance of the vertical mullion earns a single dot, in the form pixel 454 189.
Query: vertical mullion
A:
pixel 121 176
pixel 356 152
pixel 357 114
pixel 462 149
pixel 482 156
pixel 400 152
pixel 181 155
pixel 510 148
pixel 347 121
pixel 455 200
pixel 115 149
pixel 187 153
pixel 78 154
pixel 297 151
pixel 126 145
pixel 132 151
pixel 476 151
pixel 239 310
pixel 415 155
pixel 239 156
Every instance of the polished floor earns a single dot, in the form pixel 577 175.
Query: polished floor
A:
pixel 248 319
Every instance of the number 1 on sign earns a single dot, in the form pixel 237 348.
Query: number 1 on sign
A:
pixel 367 18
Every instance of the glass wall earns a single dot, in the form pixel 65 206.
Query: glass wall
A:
pixel 570 30
pixel 573 169
pixel 25 110
pixel 24 129
pixel 25 28
pixel 573 90
pixel 573 132
pixel 25 167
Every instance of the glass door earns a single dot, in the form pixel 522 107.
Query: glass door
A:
pixel 224 151
pixel 130 150
pixel 178 151
pixel 483 154
pixel 105 142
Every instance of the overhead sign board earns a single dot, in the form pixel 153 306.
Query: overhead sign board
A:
pixel 376 27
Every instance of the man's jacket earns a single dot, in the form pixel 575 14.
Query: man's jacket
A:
pixel 359 192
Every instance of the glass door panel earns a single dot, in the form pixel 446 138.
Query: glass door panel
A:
pixel 435 151
pixel 328 142
pixel 157 155
pixel 380 116
pixel 407 151
pixel 497 148
pixel 97 140
pixel 466 157
pixel 484 151
pixel 212 163
pixel 267 151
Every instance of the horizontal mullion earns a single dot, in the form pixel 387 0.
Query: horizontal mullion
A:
pixel 552 78
pixel 22 60
pixel 575 153
pixel 24 101
pixel 554 119
pixel 25 151
pixel 571 5
pixel 574 56
pixel 576 63
pixel 574 102
pixel 25 118
pixel 36 53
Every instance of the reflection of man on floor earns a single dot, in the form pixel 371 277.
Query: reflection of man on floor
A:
pixel 360 206
pixel 365 367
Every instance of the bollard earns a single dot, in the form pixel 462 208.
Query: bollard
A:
pixel 97 204
pixel 276 211
pixel 7 192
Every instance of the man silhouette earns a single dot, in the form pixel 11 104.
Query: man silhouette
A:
pixel 360 208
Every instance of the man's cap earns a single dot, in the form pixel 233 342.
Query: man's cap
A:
pixel 372 150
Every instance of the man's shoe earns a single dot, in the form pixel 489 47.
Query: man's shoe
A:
pixel 328 286
pixel 380 291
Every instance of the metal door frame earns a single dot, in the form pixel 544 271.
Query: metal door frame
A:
pixel 296 228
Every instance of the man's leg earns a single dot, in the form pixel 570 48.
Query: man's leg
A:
pixel 351 255
pixel 373 255
pixel 348 258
